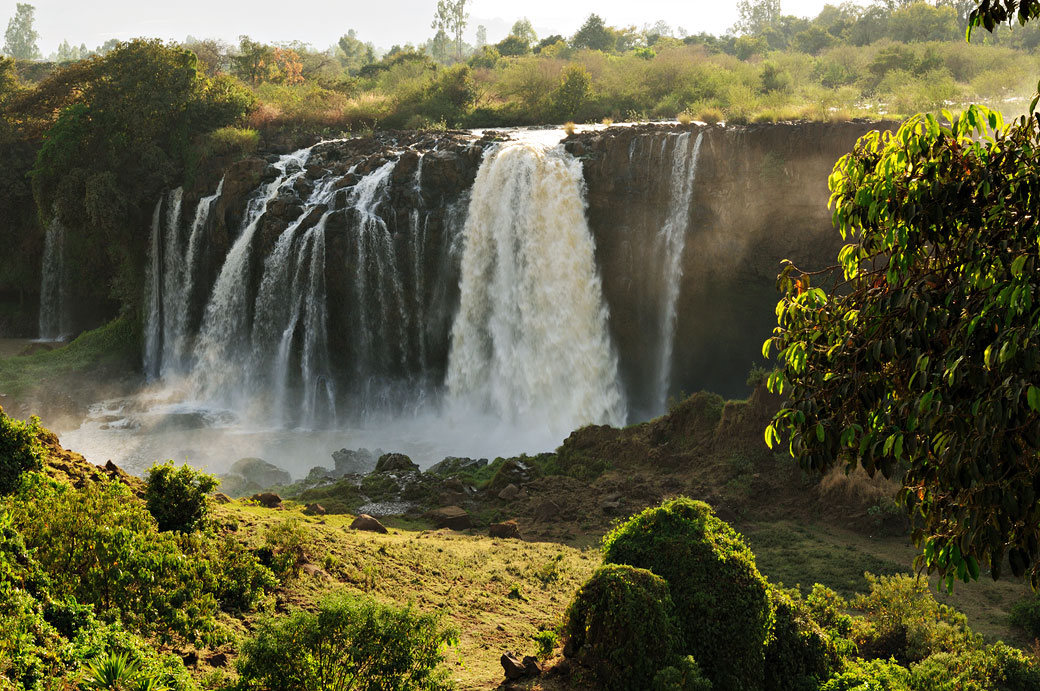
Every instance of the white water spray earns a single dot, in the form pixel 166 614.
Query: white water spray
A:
pixel 530 341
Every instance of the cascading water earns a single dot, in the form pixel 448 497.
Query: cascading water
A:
pixel 530 341
pixel 669 244
pixel 222 347
pixel 54 320
pixel 173 264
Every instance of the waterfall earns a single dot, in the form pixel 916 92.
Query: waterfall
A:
pixel 530 342
pixel 222 348
pixel 669 245
pixel 153 300
pixel 54 298
pixel 172 272
pixel 290 311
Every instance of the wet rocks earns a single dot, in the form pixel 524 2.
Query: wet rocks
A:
pixel 261 472
pixel 348 461
pixel 395 462
pixel 453 465
pixel 366 522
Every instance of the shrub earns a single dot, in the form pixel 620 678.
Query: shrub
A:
pixel 1026 615
pixel 20 450
pixel 623 620
pixel 289 545
pixel 176 497
pixel 685 676
pixel 232 141
pixel 99 546
pixel 720 597
pixel 349 638
pixel 799 654
pixel 546 641
pixel 902 620
pixel 872 675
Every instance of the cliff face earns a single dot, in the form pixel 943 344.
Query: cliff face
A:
pixel 691 221
pixel 760 196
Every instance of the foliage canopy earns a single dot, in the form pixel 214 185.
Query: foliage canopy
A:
pixel 919 353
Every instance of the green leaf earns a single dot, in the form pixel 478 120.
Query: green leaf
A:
pixel 1033 398
pixel 819 431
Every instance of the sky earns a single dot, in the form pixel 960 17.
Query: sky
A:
pixel 383 22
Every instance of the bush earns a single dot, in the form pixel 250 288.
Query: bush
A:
pixel 799 655
pixel 1026 615
pixel 228 141
pixel 720 597
pixel 20 450
pixel 376 646
pixel 176 497
pixel 902 620
pixel 623 620
pixel 99 546
pixel 686 676
pixel 289 545
pixel 872 675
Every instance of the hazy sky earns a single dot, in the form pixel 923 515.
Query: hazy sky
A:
pixel 383 22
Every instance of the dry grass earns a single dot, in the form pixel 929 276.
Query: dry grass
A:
pixel 857 487
pixel 499 593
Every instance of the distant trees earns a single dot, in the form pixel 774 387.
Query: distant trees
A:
pixel 593 34
pixel 352 53
pixel 756 15
pixel 451 17
pixel 20 37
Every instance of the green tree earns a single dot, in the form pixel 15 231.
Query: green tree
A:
pixel 481 36
pixel 352 53
pixel 572 93
pixel 916 355
pixel 755 16
pixel 523 30
pixel 20 37
pixel 594 35
pixel 451 17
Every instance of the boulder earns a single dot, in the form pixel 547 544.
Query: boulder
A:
pixel 453 465
pixel 217 660
pixel 395 462
pixel 547 511
pixel 513 666
pixel 261 472
pixel 221 498
pixel 512 472
pixel 506 529
pixel 453 517
pixel 268 500
pixel 366 522
pixel 531 666
pixel 348 461
pixel 315 571
pixel 509 493
pixel 314 510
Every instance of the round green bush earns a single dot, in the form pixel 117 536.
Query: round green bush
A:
pixel 721 600
pixel 622 623
pixel 176 497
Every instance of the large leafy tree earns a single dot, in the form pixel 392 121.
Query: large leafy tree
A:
pixel 124 132
pixel 918 354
